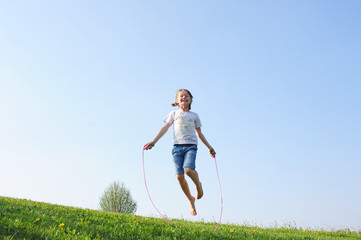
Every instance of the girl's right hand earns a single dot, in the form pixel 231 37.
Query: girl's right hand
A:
pixel 212 152
pixel 148 146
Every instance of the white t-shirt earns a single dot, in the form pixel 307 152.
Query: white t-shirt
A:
pixel 184 127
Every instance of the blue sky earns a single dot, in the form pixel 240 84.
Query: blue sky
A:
pixel 85 84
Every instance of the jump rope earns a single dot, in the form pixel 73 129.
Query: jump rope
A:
pixel 220 189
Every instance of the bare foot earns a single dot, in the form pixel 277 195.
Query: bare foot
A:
pixel 199 191
pixel 193 207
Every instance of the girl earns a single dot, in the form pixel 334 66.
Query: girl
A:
pixel 186 128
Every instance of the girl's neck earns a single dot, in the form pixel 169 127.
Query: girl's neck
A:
pixel 184 109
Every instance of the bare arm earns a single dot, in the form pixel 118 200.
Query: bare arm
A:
pixel 204 140
pixel 159 135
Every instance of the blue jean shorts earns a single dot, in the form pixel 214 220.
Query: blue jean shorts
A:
pixel 184 156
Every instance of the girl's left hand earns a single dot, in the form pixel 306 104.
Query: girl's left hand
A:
pixel 148 146
pixel 212 152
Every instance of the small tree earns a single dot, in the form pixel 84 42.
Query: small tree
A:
pixel 116 198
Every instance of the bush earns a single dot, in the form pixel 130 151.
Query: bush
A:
pixel 116 198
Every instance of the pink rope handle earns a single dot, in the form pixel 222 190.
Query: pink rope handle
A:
pixel 145 182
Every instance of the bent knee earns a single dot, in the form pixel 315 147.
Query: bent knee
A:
pixel 180 177
pixel 188 170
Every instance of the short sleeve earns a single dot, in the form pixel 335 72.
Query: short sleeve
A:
pixel 197 122
pixel 169 118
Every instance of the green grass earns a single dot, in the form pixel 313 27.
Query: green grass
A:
pixel 25 219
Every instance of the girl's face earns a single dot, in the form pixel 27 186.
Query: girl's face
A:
pixel 184 99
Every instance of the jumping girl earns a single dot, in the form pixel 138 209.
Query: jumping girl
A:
pixel 186 128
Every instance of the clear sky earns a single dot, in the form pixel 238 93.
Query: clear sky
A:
pixel 277 85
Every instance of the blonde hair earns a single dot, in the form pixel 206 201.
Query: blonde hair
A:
pixel 176 96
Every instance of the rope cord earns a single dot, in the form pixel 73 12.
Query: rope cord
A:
pixel 145 182
pixel 220 188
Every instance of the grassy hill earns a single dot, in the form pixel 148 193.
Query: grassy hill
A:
pixel 25 219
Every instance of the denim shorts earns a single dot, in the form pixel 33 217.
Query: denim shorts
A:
pixel 184 156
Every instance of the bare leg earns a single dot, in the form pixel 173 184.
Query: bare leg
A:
pixel 184 185
pixel 195 178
